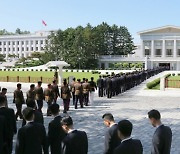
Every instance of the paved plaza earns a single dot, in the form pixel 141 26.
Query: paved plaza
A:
pixel 133 105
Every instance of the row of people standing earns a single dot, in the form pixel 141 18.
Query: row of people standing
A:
pixel 118 83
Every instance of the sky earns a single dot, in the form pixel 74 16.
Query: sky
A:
pixel 136 15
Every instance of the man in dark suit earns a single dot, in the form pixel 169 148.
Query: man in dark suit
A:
pixel 55 132
pixel 31 138
pixel 111 137
pixel 38 117
pixel 109 87
pixel 10 120
pixel 100 85
pixel 162 138
pixel 128 145
pixel 3 135
pixel 75 142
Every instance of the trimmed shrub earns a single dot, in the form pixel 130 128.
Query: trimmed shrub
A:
pixel 17 69
pixel 22 69
pixel 77 70
pixel 167 75
pixel 71 70
pixel 82 70
pixel 173 74
pixel 32 70
pixel 153 83
pixel 50 70
pixel 46 70
pixel 107 72
pixel 36 69
pixel 178 74
pixel 87 70
pixel 41 70
pixel 66 70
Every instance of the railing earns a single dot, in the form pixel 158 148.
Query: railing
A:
pixel 172 83
pixel 26 79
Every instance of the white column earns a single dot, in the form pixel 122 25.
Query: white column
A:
pixel 142 50
pixel 163 49
pixel 7 49
pixel 175 50
pixel 39 45
pixel 11 47
pixel 16 46
pixel 34 45
pixel 178 66
pixel 2 47
pixel 20 49
pixel 152 48
pixel 60 76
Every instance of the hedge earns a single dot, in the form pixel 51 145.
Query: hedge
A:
pixel 167 75
pixel 153 83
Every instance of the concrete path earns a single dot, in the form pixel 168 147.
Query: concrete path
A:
pixel 133 105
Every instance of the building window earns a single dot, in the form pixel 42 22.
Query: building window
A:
pixel 22 49
pixel 22 42
pixel 158 52
pixel 17 42
pixel 169 43
pixel 4 49
pixel 169 52
pixel 41 41
pixel 9 43
pixel 4 43
pixel 31 48
pixel 36 48
pixel 9 49
pixel 0 43
pixel 36 42
pixel 13 49
pixel 158 43
pixel 27 49
pixel 13 43
pixel 27 42
pixel 0 49
pixel 147 52
pixel 17 49
pixel 31 42
pixel 178 52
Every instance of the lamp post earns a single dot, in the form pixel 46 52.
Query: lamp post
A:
pixel 79 62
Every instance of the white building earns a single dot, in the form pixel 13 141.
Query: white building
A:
pixel 23 45
pixel 159 47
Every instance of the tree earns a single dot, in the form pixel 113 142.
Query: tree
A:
pixel 18 31
pixel 2 58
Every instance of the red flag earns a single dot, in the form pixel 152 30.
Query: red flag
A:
pixel 44 23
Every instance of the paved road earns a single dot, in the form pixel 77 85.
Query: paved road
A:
pixel 132 105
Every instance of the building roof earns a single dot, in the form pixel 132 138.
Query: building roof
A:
pixel 163 29
pixel 56 64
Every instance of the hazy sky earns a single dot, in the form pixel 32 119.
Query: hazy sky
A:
pixel 136 15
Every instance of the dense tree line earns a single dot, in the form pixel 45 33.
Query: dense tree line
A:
pixel 83 45
pixel 18 31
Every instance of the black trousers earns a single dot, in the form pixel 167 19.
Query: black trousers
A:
pixel 78 98
pixel 86 99
pixel 73 97
pixel 19 111
pixel 109 93
pixel 40 105
pixel 48 108
pixel 100 92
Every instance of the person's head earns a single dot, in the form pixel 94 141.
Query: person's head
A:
pixel 2 101
pixel 100 76
pixel 54 82
pixel 49 85
pixel 39 83
pixel 4 91
pixel 92 78
pixel 65 82
pixel 79 80
pixel 54 108
pixel 32 86
pixel 86 80
pixel 124 129
pixel 74 79
pixel 28 114
pixel 18 86
pixel 108 119
pixel 67 123
pixel 154 117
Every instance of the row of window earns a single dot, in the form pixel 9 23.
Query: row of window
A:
pixel 159 43
pixel 23 49
pixel 22 42
pixel 158 52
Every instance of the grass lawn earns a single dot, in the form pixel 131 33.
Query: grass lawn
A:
pixel 48 74
pixel 174 78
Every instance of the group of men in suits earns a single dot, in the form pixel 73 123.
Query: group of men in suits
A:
pixel 112 85
pixel 118 138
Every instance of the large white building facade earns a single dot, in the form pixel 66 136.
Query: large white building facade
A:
pixel 159 47
pixel 23 45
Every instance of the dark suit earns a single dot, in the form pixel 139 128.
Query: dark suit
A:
pixel 130 146
pixel 111 140
pixel 31 139
pixel 11 125
pixel 3 135
pixel 55 135
pixel 75 142
pixel 162 140
pixel 38 117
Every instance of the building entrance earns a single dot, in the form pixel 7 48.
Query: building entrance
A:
pixel 167 65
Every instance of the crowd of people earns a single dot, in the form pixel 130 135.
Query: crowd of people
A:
pixel 61 136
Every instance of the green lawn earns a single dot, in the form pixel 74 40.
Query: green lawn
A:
pixel 174 78
pixel 47 74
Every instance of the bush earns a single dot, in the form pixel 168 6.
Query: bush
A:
pixel 50 70
pixel 27 69
pixel 46 70
pixel 178 74
pixel 32 70
pixel 41 70
pixel 152 84
pixel 13 69
pixel 17 69
pixel 95 72
pixel 82 70
pixel 167 75
pixel 107 72
pixel 22 69
pixel 173 74
pixel 87 70
pixel 77 70
pixel 66 70
pixel 71 70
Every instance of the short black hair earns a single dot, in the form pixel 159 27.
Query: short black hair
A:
pixel 4 89
pixel 74 79
pixel 92 78
pixel 54 81
pixel 125 127
pixel 39 82
pixel 108 116
pixel 154 114
pixel 2 100
pixel 28 113
pixel 32 86
pixel 84 78
pixel 67 121
pixel 54 108
pixel 79 80
pixel 18 85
